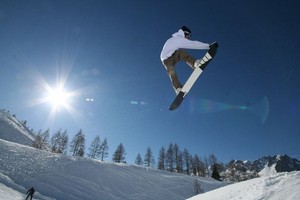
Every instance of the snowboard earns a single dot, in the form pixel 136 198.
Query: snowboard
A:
pixel 194 76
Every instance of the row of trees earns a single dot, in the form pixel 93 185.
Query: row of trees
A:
pixel 172 159
pixel 58 143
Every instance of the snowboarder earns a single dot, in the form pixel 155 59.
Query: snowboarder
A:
pixel 30 193
pixel 173 52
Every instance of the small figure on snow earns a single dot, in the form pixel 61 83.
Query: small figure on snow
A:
pixel 30 193
pixel 173 52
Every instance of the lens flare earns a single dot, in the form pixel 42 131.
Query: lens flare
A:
pixel 260 109
pixel 209 106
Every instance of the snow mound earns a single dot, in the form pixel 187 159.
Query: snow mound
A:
pixel 278 186
pixel 267 171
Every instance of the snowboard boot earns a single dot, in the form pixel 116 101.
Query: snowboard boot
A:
pixel 177 90
pixel 197 63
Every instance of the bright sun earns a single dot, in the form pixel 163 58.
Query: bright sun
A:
pixel 58 97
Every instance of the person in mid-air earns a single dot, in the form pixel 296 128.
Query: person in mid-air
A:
pixel 173 52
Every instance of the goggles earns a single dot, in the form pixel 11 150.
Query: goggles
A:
pixel 189 34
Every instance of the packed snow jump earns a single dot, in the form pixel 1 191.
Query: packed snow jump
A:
pixel 173 52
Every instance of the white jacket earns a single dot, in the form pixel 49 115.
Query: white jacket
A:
pixel 178 41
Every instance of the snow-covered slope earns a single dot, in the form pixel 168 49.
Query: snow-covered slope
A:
pixel 12 130
pixel 61 177
pixel 67 178
pixel 74 178
pixel 285 185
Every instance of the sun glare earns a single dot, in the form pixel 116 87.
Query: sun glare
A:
pixel 58 97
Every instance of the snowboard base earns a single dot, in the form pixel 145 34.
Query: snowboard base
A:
pixel 194 76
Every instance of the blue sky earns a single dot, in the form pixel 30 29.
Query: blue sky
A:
pixel 245 105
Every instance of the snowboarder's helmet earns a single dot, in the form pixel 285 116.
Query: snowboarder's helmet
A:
pixel 186 30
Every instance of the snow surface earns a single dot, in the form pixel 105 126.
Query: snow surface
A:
pixel 12 130
pixel 67 178
pixel 61 177
pixel 274 187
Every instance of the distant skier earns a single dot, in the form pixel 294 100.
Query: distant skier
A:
pixel 172 53
pixel 30 193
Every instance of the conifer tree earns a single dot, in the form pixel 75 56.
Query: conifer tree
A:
pixel 119 155
pixel 215 173
pixel 138 160
pixel 148 157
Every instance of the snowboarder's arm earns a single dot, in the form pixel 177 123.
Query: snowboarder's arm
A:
pixel 193 44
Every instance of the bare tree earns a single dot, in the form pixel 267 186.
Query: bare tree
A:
pixel 198 166
pixel 162 158
pixel 170 158
pixel 103 149
pixel 206 164
pixel 195 162
pixel 94 150
pixel 77 144
pixel 41 140
pixel 59 142
pixel 178 158
pixel 212 159
pixel 187 161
